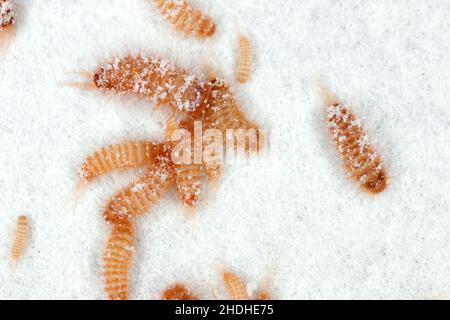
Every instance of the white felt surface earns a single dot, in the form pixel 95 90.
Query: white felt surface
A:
pixel 291 215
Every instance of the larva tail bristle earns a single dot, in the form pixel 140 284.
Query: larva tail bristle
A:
pixel 178 291
pixel 117 260
pixel 20 238
pixel 88 86
pixel 235 287
pixel 328 97
pixel 7 35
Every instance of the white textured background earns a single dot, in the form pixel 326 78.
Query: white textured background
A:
pixel 292 214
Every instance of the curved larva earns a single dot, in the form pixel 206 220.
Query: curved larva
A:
pixel 178 291
pixel 244 67
pixel 127 154
pixel 21 238
pixel 117 260
pixel 7 14
pixel 359 157
pixel 185 18
pixel 187 178
pixel 161 81
pixel 236 288
pixel 136 199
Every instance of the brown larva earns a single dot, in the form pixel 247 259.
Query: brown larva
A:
pixel 117 260
pixel 135 199
pixel 128 154
pixel 359 157
pixel 20 239
pixel 244 67
pixel 178 291
pixel 186 19
pixel 236 288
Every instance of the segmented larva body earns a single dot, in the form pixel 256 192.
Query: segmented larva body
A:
pixel 117 260
pixel 136 199
pixel 7 14
pixel 158 80
pixel 359 157
pixel 127 154
pixel 186 19
pixel 178 291
pixel 187 178
pixel 244 67
pixel 236 288
pixel 20 238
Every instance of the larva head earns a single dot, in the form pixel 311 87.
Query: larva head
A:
pixel 178 292
pixel 7 15
pixel 377 183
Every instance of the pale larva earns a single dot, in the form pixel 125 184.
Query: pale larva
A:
pixel 236 288
pixel 20 239
pixel 244 67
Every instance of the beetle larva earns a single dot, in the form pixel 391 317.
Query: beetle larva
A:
pixel 161 81
pixel 117 260
pixel 359 157
pixel 187 178
pixel 178 291
pixel 127 154
pixel 236 288
pixel 185 18
pixel 136 198
pixel 20 239
pixel 244 67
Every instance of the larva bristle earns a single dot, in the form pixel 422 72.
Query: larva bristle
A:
pixel 136 199
pixel 236 288
pixel 359 157
pixel 7 14
pixel 161 81
pixel 127 154
pixel 186 19
pixel 117 260
pixel 188 181
pixel 244 67
pixel 178 291
pixel 20 239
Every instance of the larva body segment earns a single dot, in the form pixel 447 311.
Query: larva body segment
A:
pixel 187 178
pixel 186 19
pixel 178 291
pixel 236 288
pixel 359 157
pixel 117 260
pixel 20 238
pixel 160 81
pixel 7 14
pixel 136 199
pixel 127 154
pixel 244 67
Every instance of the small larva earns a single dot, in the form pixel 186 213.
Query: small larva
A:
pixel 178 291
pixel 117 260
pixel 244 67
pixel 135 199
pixel 160 81
pixel 185 18
pixel 359 157
pixel 187 178
pixel 20 239
pixel 236 288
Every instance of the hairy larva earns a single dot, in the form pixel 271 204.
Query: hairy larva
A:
pixel 128 154
pixel 135 199
pixel 186 19
pixel 178 291
pixel 244 67
pixel 117 260
pixel 359 157
pixel 161 81
pixel 236 288
pixel 20 239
